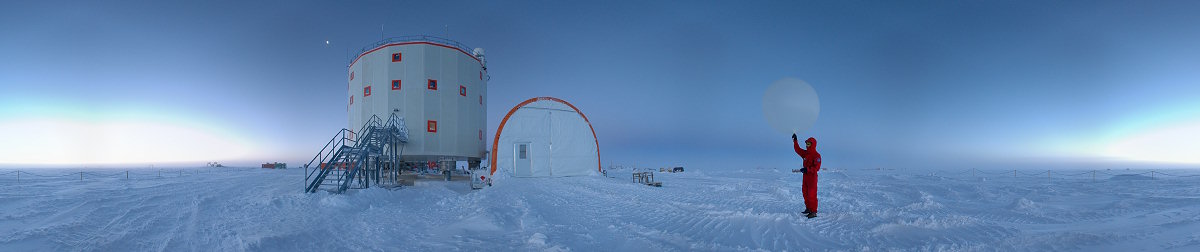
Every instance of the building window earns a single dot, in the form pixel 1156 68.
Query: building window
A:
pixel 431 126
pixel 396 57
pixel 367 91
pixel 395 84
pixel 432 84
pixel 462 91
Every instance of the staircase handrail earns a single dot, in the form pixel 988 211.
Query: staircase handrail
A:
pixel 349 176
pixel 363 132
pixel 338 139
pixel 396 122
pixel 329 151
pixel 324 171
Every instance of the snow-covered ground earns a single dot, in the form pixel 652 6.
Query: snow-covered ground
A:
pixel 235 209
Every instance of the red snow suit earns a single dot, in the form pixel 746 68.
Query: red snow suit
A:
pixel 812 164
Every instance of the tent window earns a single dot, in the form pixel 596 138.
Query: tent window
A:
pixel 351 75
pixel 523 152
pixel 396 57
pixel 462 91
pixel 351 100
pixel 367 91
pixel 395 84
pixel 431 126
pixel 432 84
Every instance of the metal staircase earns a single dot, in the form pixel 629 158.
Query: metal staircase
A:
pixel 352 160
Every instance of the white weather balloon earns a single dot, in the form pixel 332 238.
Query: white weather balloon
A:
pixel 790 106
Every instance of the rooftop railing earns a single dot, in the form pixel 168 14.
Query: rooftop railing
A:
pixel 413 38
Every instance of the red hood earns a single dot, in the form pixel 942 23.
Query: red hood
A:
pixel 812 141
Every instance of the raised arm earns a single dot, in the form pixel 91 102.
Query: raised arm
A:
pixel 799 151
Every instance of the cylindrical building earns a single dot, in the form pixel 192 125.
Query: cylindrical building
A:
pixel 439 88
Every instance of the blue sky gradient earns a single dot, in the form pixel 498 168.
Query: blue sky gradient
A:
pixel 902 84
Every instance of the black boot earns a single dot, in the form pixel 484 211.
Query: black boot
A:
pixel 811 215
pixel 806 211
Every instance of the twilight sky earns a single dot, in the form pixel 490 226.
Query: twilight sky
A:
pixel 902 84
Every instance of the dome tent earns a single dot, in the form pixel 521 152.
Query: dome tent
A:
pixel 545 137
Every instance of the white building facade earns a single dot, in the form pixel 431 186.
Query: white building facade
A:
pixel 437 86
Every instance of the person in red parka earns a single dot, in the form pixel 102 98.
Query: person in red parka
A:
pixel 812 164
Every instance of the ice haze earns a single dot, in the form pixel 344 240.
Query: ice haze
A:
pixel 902 84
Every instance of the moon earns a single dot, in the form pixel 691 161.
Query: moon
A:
pixel 790 105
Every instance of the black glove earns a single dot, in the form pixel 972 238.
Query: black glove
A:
pixel 794 137
pixel 803 170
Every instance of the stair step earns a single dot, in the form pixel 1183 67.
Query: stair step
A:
pixel 372 141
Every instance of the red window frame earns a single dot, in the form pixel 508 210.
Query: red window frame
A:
pixel 367 91
pixel 480 134
pixel 351 75
pixel 431 126
pixel 351 100
pixel 395 84
pixel 397 57
pixel 480 99
pixel 431 84
pixel 462 90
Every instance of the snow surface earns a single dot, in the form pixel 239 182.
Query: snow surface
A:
pixel 238 209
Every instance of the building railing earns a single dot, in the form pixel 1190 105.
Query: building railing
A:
pixel 413 38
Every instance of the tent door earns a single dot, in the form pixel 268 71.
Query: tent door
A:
pixel 521 155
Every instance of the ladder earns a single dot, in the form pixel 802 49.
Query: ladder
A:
pixel 352 160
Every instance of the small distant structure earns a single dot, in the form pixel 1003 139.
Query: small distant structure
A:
pixel 646 178
pixel 275 165
pixel 671 169
pixel 215 164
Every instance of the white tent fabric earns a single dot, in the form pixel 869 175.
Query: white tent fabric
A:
pixel 560 141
